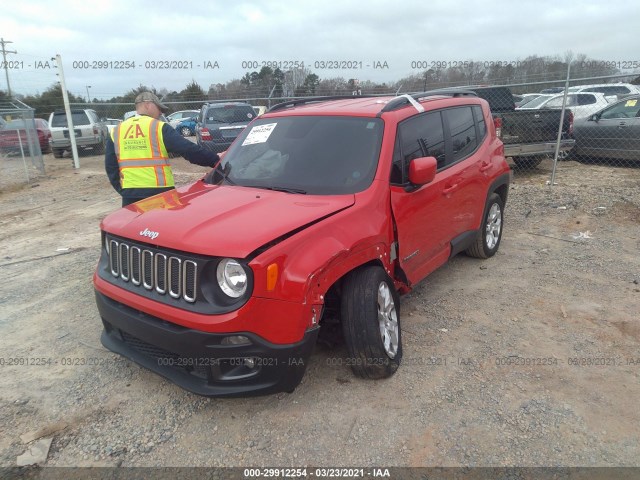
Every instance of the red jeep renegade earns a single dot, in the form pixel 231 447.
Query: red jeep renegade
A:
pixel 322 209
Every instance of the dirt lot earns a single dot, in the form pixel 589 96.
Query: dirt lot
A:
pixel 529 358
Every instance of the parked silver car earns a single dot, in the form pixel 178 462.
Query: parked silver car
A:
pixel 90 132
pixel 581 104
pixel 613 132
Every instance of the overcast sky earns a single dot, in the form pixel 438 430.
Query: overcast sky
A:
pixel 369 34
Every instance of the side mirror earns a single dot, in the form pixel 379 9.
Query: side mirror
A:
pixel 422 170
pixel 595 117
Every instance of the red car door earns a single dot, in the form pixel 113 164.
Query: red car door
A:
pixel 469 163
pixel 421 213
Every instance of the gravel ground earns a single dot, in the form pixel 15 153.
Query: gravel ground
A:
pixel 489 376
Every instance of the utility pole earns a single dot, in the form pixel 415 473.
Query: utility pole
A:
pixel 3 42
pixel 67 109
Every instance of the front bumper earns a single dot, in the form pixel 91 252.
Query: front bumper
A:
pixel 198 361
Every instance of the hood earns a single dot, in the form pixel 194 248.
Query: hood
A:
pixel 230 221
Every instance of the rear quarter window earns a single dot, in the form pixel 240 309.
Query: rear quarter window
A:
pixel 482 125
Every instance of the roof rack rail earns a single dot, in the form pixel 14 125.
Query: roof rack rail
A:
pixel 302 101
pixel 403 100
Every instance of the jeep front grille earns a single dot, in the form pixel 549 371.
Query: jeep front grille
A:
pixel 166 274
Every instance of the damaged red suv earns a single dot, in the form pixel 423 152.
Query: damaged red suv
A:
pixel 323 210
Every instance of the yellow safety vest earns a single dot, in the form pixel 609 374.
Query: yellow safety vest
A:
pixel 142 157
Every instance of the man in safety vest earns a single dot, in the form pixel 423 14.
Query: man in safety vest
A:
pixel 137 152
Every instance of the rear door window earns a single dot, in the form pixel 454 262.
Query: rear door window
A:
pixel 462 129
pixel 613 90
pixel 627 109
pixel 557 102
pixel 585 99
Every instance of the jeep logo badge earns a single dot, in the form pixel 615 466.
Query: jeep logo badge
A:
pixel 148 233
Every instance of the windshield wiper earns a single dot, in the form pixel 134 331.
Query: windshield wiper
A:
pixel 279 189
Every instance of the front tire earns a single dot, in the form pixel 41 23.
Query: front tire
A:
pixel 371 323
pixel 488 238
pixel 58 152
pixel 185 131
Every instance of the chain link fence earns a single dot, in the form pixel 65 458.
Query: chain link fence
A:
pixel 597 121
pixel 23 139
pixel 601 120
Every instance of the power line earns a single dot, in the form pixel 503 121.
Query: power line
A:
pixel 6 66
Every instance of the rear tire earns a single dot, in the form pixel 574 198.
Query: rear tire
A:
pixel 488 238
pixel 185 131
pixel 99 148
pixel 371 323
pixel 58 152
pixel 527 162
pixel 565 155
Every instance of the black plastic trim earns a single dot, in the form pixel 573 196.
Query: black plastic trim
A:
pixel 402 101
pixel 133 334
pixel 209 299
pixel 462 242
pixel 303 101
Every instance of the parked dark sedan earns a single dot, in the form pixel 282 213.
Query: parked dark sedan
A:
pixel 13 135
pixel 613 132
pixel 220 123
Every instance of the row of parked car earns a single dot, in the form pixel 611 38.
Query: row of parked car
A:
pixel 606 123
pixel 606 117
pixel 583 100
pixel 53 135
pixel 215 125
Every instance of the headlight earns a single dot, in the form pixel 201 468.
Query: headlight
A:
pixel 232 278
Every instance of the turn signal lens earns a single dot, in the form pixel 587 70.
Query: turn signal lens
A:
pixel 272 276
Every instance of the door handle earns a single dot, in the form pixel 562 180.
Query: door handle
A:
pixel 622 125
pixel 449 188
pixel 484 166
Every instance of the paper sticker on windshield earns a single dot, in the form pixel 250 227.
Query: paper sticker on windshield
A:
pixel 631 103
pixel 259 134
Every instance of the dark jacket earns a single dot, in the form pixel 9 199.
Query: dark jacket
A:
pixel 175 144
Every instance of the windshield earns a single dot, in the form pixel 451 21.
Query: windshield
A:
pixel 318 155
pixel 536 102
pixel 230 114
